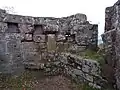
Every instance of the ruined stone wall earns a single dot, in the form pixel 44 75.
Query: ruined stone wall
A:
pixel 111 39
pixel 79 69
pixel 29 39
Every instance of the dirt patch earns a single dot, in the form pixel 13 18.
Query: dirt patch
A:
pixel 54 83
pixel 38 81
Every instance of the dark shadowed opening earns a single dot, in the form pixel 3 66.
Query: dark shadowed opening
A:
pixel 12 28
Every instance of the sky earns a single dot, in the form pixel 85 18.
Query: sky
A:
pixel 94 9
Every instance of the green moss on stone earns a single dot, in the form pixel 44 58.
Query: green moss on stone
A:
pixel 93 55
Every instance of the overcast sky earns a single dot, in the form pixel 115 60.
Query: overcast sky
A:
pixel 94 9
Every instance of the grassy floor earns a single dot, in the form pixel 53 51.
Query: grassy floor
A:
pixel 27 81
pixel 83 87
pixel 93 55
pixel 24 81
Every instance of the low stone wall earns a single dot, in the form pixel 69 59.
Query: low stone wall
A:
pixel 79 69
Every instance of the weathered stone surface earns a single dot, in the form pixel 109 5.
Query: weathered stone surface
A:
pixel 26 28
pixel 77 72
pixel 51 28
pixel 38 43
pixel 76 49
pixel 111 44
pixel 39 38
pixel 72 65
pixel 28 37
pixel 3 27
pixel 31 57
pixel 10 54
pixel 60 38
pixel 30 47
pixel 2 15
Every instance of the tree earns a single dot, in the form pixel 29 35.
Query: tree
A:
pixel 8 9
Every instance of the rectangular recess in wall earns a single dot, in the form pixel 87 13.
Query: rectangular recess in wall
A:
pixel 38 29
pixel 12 28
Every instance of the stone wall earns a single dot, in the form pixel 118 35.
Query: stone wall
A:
pixel 111 39
pixel 81 70
pixel 26 39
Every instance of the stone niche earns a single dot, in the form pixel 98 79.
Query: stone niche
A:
pixel 38 29
pixel 38 35
pixel 13 28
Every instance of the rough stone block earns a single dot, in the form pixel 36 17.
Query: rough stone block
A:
pixel 28 37
pixel 78 72
pixel 44 56
pixel 13 43
pixel 26 28
pixel 2 15
pixel 28 20
pixel 81 17
pixel 3 27
pixel 18 19
pixel 42 45
pixel 12 18
pixel 17 58
pixel 39 38
pixel 32 57
pixel 39 20
pixel 89 77
pixel 51 28
pixel 13 36
pixel 91 67
pixel 82 39
pixel 13 46
pixel 86 68
pixel 60 46
pixel 66 46
pixel 76 49
pixel 2 36
pixel 108 37
pixel 30 47
pixel 61 38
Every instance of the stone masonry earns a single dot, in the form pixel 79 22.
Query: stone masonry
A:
pixel 39 43
pixel 29 39
pixel 79 69
pixel 111 39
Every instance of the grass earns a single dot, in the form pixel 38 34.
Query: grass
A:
pixel 22 82
pixel 89 54
pixel 83 87
pixel 86 87
pixel 98 56
pixel 27 81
